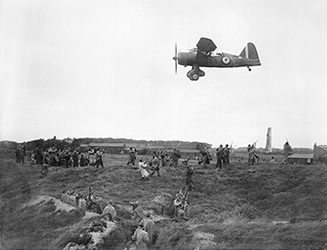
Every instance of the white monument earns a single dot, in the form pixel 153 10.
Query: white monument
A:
pixel 268 143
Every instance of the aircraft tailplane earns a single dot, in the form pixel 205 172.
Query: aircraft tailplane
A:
pixel 250 52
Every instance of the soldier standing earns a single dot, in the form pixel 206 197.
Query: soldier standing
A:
pixel 75 159
pixel 154 163
pixel 163 158
pixel 18 154
pixel 253 157
pixel 219 154
pixel 23 153
pixel 131 156
pixel 83 161
pixel 287 152
pixel 66 158
pixel 98 158
pixel 39 155
pixel 91 156
pixel 226 154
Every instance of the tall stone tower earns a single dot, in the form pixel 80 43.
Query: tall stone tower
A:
pixel 268 143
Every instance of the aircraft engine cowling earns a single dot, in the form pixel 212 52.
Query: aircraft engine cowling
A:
pixel 186 58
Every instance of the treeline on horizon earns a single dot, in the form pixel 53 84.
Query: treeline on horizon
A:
pixel 75 143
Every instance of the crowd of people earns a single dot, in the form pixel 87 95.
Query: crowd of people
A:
pixel 66 158
pixel 162 158
pixel 205 157
pixel 222 154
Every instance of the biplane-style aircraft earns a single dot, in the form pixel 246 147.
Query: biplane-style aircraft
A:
pixel 204 55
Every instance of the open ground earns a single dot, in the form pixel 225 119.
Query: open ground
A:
pixel 265 206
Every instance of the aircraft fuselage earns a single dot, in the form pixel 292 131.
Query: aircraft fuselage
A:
pixel 223 60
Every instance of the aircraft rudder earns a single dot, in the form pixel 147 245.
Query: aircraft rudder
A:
pixel 250 52
pixel 253 51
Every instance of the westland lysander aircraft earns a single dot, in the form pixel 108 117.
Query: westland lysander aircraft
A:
pixel 204 55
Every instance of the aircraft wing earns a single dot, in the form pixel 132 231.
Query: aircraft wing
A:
pixel 206 45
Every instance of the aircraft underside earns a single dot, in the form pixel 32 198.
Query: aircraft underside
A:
pixel 195 73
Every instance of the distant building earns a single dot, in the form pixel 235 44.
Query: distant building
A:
pixel 301 159
pixel 112 148
pixel 138 146
pixel 320 153
pixel 185 152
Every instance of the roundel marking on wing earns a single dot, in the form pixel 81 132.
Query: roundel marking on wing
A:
pixel 226 60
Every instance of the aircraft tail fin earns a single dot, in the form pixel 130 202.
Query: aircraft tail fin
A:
pixel 250 52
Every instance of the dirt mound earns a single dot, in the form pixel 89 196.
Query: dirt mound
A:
pixel 60 206
pixel 94 236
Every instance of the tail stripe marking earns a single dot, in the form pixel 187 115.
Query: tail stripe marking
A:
pixel 247 51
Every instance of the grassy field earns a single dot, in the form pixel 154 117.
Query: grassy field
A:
pixel 238 207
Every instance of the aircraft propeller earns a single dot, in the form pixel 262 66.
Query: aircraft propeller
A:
pixel 175 58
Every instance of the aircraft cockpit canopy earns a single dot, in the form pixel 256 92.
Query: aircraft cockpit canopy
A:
pixel 195 50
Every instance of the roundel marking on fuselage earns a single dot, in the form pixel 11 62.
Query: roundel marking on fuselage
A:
pixel 226 60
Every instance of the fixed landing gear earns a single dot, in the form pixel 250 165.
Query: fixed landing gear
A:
pixel 193 76
pixel 195 73
pixel 249 68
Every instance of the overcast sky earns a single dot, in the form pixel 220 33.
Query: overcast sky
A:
pixel 82 68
